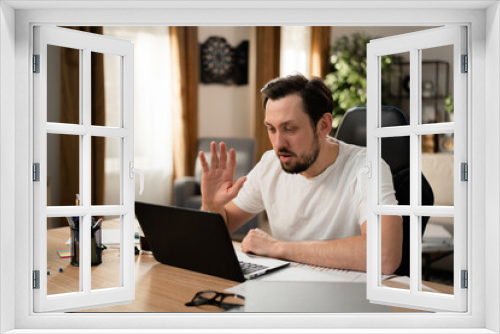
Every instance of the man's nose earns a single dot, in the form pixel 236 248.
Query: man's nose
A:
pixel 279 141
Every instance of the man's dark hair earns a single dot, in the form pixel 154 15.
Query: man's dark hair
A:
pixel 316 96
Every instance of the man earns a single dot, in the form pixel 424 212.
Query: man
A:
pixel 310 186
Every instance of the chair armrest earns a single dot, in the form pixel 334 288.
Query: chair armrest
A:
pixel 185 187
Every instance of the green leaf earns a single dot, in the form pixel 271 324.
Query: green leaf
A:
pixel 347 81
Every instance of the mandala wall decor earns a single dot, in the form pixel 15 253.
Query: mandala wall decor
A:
pixel 221 63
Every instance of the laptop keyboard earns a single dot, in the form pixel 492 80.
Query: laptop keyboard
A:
pixel 249 268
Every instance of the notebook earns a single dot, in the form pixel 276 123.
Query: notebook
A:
pixel 198 241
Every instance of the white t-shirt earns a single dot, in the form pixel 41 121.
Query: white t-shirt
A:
pixel 327 206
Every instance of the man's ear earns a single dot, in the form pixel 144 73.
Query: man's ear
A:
pixel 325 124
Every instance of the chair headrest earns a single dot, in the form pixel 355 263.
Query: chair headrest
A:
pixel 395 150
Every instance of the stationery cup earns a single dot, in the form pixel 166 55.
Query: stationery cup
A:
pixel 96 246
pixel 75 245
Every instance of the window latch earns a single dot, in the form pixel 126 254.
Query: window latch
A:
pixel 368 170
pixel 132 171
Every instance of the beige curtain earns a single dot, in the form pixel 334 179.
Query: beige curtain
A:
pixel 268 67
pixel 320 51
pixel 185 74
pixel 69 106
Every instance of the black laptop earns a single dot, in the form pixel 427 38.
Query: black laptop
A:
pixel 198 241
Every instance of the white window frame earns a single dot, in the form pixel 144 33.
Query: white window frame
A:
pixel 86 43
pixel 414 43
pixel 484 102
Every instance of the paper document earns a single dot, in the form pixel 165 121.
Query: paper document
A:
pixel 112 237
pixel 305 273
pixel 109 237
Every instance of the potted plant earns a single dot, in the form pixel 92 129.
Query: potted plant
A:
pixel 347 79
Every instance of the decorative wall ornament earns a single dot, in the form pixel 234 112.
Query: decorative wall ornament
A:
pixel 221 63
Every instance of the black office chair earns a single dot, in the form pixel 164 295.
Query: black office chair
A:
pixel 396 153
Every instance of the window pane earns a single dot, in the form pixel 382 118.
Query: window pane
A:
pixel 63 249
pixel 402 282
pixel 437 87
pixel 395 85
pixel 437 255
pixel 438 143
pixel 106 89
pixel 396 153
pixel 438 169
pixel 63 85
pixel 429 89
pixel 63 169
pixel 106 153
pixel 106 252
pixel 295 50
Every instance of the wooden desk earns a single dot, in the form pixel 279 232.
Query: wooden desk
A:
pixel 159 288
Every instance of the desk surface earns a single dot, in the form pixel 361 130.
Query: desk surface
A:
pixel 159 287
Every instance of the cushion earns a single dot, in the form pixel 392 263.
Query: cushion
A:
pixel 438 169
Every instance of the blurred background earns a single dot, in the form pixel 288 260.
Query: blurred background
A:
pixel 194 84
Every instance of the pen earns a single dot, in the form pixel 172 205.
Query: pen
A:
pixel 70 222
pixel 97 224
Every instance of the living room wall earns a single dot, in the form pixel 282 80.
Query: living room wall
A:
pixel 227 110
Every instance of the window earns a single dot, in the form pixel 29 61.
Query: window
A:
pixel 84 231
pixel 295 50
pixel 483 284
pixel 153 149
pixel 417 209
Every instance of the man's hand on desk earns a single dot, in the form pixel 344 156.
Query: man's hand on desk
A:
pixel 261 243
pixel 350 252
pixel 316 253
pixel 345 253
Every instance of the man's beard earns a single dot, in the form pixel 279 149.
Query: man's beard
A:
pixel 303 162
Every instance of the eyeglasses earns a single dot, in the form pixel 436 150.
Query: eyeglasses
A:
pixel 223 300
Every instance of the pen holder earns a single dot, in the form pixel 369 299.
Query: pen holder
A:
pixel 96 245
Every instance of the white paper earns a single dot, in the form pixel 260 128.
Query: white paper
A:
pixel 305 273
pixel 109 237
